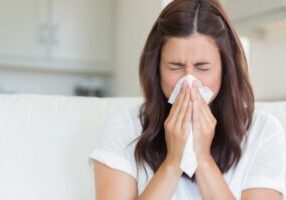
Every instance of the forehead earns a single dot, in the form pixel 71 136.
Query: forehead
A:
pixel 195 46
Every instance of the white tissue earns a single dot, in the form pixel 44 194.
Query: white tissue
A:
pixel 189 161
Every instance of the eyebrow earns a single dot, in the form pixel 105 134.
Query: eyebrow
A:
pixel 195 64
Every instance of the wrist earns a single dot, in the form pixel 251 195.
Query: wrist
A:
pixel 205 159
pixel 172 167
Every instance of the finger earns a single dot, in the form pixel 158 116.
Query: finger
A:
pixel 177 104
pixel 188 117
pixel 177 100
pixel 197 95
pixel 207 121
pixel 198 117
pixel 203 105
pixel 209 114
pixel 183 108
pixel 202 115
pixel 195 98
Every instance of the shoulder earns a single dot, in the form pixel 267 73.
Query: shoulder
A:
pixel 121 123
pixel 133 112
pixel 114 146
pixel 265 125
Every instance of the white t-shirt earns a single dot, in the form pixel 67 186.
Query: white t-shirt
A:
pixel 262 165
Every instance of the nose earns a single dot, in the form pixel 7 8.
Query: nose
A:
pixel 189 70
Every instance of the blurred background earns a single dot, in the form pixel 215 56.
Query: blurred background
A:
pixel 92 47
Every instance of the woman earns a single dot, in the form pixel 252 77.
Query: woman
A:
pixel 240 150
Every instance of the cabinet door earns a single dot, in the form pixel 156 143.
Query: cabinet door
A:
pixel 23 32
pixel 82 30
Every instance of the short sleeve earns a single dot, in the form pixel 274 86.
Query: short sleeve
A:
pixel 113 146
pixel 267 169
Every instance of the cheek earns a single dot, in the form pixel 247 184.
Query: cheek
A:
pixel 168 83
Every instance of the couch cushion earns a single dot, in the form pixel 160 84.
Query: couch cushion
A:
pixel 45 142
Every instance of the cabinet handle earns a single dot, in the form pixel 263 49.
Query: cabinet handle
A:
pixel 43 34
pixel 54 35
pixel 48 35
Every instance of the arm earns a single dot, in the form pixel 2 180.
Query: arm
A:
pixel 210 180
pixel 163 183
pixel 124 186
pixel 113 184
pixel 213 186
pixel 261 194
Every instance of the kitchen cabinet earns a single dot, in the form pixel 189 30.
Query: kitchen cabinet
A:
pixel 66 35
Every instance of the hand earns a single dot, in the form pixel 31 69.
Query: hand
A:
pixel 177 126
pixel 204 124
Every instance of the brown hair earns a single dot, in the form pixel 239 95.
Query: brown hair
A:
pixel 234 105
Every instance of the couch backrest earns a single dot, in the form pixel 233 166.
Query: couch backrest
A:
pixel 45 142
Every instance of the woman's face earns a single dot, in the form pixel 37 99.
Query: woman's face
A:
pixel 196 55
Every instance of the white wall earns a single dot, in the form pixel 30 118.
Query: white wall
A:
pixel 268 65
pixel 134 19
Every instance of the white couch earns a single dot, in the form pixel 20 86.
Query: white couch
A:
pixel 45 142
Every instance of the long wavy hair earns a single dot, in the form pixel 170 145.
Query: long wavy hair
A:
pixel 233 107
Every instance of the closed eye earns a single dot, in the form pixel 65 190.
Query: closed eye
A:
pixel 203 68
pixel 176 65
pixel 198 65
